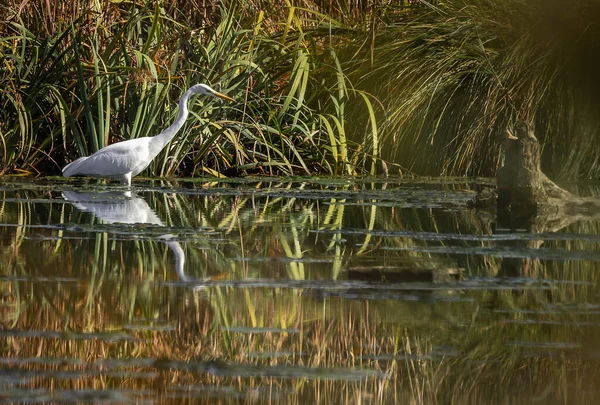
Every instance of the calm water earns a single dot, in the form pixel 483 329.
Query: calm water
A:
pixel 300 290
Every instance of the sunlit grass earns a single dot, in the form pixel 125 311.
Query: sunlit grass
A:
pixel 75 90
pixel 449 77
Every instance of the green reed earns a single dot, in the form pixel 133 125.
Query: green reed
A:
pixel 115 72
pixel 450 76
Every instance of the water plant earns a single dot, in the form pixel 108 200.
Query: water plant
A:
pixel 448 76
pixel 113 73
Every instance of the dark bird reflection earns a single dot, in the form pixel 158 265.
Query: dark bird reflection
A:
pixel 123 207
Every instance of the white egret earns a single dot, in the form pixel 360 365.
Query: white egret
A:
pixel 124 160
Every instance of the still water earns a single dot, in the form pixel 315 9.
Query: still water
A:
pixel 291 291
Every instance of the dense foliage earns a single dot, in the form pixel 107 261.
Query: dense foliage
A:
pixel 70 86
pixel 454 75
pixel 322 86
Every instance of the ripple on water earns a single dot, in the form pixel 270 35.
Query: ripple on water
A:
pixel 298 290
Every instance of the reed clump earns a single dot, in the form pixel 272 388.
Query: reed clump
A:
pixel 322 87
pixel 454 75
pixel 78 76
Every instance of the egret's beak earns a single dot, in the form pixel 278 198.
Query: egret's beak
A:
pixel 221 95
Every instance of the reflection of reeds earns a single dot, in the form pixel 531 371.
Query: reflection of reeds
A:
pixel 119 300
pixel 325 336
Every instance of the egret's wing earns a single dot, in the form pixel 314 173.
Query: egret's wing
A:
pixel 113 160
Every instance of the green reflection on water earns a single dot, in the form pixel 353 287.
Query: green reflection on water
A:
pixel 304 289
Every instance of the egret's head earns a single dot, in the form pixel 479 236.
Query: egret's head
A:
pixel 206 90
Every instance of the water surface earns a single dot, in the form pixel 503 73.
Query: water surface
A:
pixel 296 290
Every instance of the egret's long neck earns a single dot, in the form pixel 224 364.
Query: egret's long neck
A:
pixel 162 139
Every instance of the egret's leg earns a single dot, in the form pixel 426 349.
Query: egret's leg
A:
pixel 126 180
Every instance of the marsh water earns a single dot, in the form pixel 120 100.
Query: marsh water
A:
pixel 301 290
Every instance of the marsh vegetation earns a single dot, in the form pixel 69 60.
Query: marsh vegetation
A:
pixel 323 87
pixel 351 288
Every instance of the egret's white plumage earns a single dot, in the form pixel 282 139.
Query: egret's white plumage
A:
pixel 124 160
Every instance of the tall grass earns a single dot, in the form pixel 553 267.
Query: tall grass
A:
pixel 454 74
pixel 116 71
pixel 449 76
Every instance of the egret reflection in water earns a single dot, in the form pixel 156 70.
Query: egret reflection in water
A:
pixel 124 207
